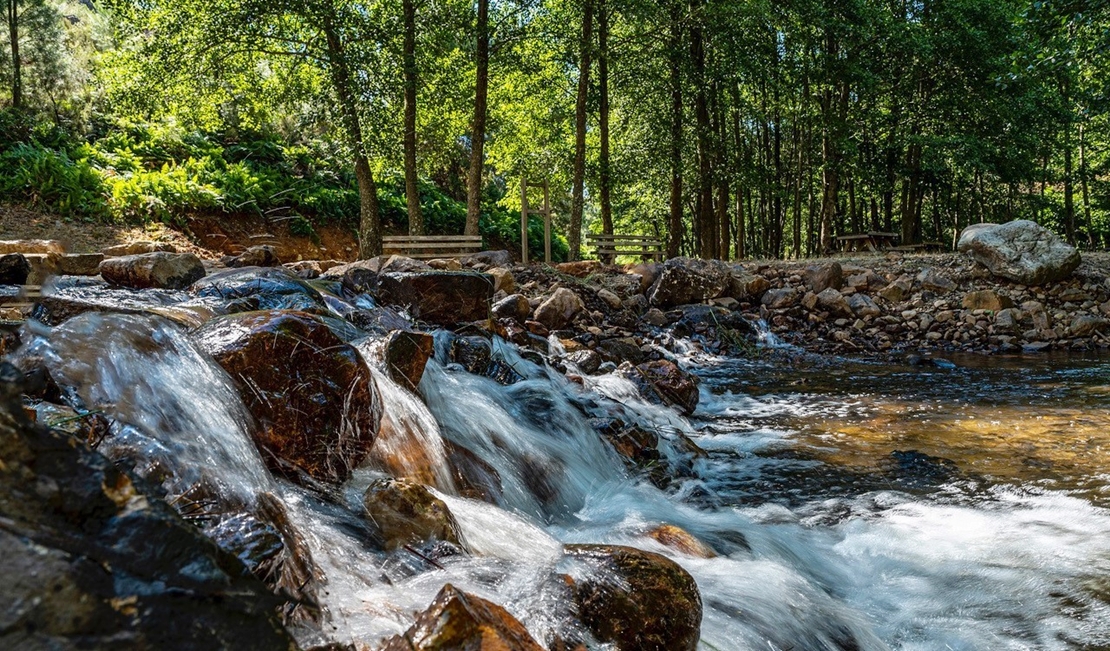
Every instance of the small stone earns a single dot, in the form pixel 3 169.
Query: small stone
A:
pixel 986 299
pixel 611 299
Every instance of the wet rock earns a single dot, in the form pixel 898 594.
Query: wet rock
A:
pixel 587 361
pixel 580 268
pixel 44 266
pixel 489 258
pixel 138 248
pixel 689 280
pixel 911 466
pixel 1086 325
pixel 14 269
pixel 153 270
pixel 664 381
pixel 559 309
pixel 621 349
pixel 681 540
pixel 818 278
pixel 862 306
pixel 256 256
pixel 931 280
pixel 69 296
pixel 257 288
pixel 45 247
pixel 514 306
pixel 986 299
pixel 407 513
pixel 406 355
pixel 80 264
pixel 779 299
pixel 472 353
pixel 635 600
pixel 315 404
pixel 474 478
pixel 439 297
pixel 89 561
pixel 1021 251
pixel 458 621
pixel 305 269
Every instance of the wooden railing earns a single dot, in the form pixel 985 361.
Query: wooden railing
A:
pixel 608 247
pixel 428 247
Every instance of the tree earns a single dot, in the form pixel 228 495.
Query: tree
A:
pixel 574 235
pixel 478 125
pixel 412 193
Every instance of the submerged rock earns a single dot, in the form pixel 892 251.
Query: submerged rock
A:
pixel 635 600
pixel 257 288
pixel 1021 251
pixel 91 562
pixel 439 297
pixel 665 381
pixel 153 270
pixel 458 621
pixel 315 403
pixel 681 540
pixel 407 513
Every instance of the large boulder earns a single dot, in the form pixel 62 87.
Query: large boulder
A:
pixel 67 296
pixel 256 288
pixel 14 269
pixel 559 308
pixel 314 400
pixel 406 512
pixel 80 264
pixel 153 270
pixel 458 621
pixel 439 297
pixel 690 280
pixel 635 600
pixel 89 561
pixel 820 277
pixel 746 286
pixel 1021 251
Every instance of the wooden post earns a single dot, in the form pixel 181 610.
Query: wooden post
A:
pixel 546 224
pixel 524 221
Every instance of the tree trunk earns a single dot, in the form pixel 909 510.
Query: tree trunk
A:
pixel 412 192
pixel 604 179
pixel 13 37
pixel 478 125
pixel 1069 187
pixel 574 236
pixel 370 237
pixel 1084 187
pixel 738 142
pixel 674 239
pixel 707 242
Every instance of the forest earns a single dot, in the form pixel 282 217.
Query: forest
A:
pixel 727 129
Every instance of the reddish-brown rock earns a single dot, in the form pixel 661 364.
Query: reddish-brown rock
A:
pixel 406 355
pixel 458 621
pixel 670 383
pixel 440 297
pixel 314 401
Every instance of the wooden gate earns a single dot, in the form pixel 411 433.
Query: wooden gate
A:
pixel 525 211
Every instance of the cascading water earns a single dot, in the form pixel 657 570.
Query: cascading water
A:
pixel 813 553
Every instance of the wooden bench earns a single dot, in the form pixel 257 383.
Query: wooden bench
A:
pixel 872 240
pixel 610 246
pixel 429 247
pixel 922 247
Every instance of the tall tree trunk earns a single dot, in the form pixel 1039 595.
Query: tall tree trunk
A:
pixel 707 242
pixel 574 237
pixel 17 67
pixel 370 237
pixel 738 143
pixel 412 192
pixel 1069 185
pixel 1084 187
pixel 478 125
pixel 674 239
pixel 604 180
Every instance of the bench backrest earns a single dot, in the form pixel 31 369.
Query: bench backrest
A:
pixel 426 247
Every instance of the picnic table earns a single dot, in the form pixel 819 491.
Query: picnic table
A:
pixel 870 241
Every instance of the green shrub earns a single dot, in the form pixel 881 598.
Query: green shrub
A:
pixel 46 178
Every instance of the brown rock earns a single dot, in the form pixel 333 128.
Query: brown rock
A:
pixel 896 291
pixel 43 266
pixel 611 299
pixel 671 384
pixel 748 287
pixel 256 256
pixel 46 247
pixel 579 269
pixel 474 478
pixel 315 404
pixel 445 264
pixel 778 299
pixel 80 264
pixel 635 600
pixel 503 280
pixel 136 248
pixel 439 297
pixel 407 513
pixel 931 280
pixel 559 308
pixel 648 273
pixel 457 621
pixel 514 307
pixel 681 540
pixel 862 306
pixel 1086 325
pixel 833 302
pixel 986 299
pixel 157 270
pixel 689 280
pixel 823 276
pixel 406 355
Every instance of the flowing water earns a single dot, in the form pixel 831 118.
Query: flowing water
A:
pixel 853 505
